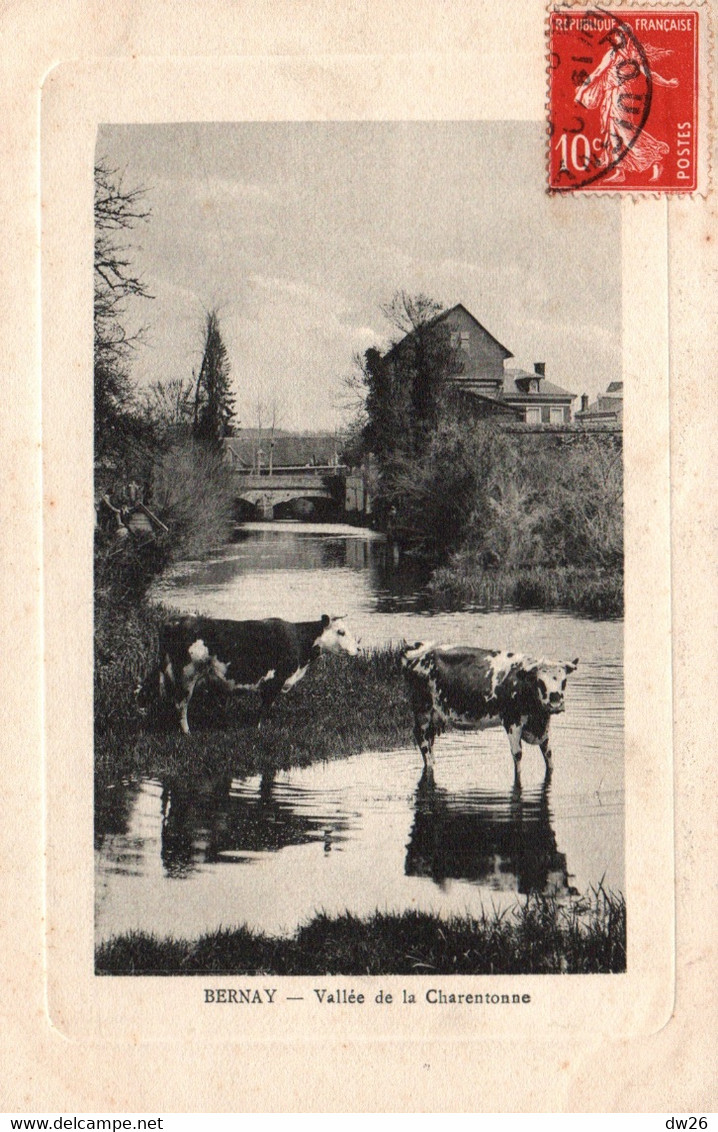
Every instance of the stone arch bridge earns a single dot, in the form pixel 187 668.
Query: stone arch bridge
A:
pixel 265 490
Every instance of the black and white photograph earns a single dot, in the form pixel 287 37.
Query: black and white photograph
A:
pixel 358 555
pixel 357 542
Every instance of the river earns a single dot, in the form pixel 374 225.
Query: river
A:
pixel 364 833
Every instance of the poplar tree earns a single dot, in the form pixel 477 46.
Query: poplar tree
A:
pixel 214 399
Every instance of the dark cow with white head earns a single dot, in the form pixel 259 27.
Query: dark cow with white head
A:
pixel 268 656
pixel 460 686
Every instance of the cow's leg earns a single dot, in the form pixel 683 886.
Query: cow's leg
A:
pixel 183 704
pixel 268 692
pixel 168 690
pixel 167 676
pixel 545 747
pixel 424 736
pixel 514 732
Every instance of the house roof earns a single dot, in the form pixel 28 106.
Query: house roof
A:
pixel 495 401
pixel 441 317
pixel 546 388
pixel 460 306
pixel 615 387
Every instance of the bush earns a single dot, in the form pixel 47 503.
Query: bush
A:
pixel 442 496
pixel 193 494
pixel 506 500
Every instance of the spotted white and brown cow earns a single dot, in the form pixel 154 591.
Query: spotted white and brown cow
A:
pixel 460 686
pixel 268 656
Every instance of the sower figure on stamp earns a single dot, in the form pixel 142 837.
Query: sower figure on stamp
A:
pixel 608 87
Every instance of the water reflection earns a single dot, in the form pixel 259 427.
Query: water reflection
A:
pixel 349 563
pixel 504 841
pixel 113 806
pixel 358 833
pixel 219 819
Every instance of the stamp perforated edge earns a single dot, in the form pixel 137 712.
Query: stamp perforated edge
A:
pixel 705 120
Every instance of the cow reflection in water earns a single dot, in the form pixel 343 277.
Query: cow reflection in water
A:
pixel 503 840
pixel 215 820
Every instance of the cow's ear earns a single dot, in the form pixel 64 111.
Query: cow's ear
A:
pixel 326 620
pixel 571 666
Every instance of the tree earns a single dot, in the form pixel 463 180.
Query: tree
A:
pixel 168 408
pixel 404 389
pixel 387 406
pixel 445 497
pixel 117 211
pixel 214 399
pixel 422 359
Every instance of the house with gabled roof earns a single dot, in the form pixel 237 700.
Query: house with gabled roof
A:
pixel 489 387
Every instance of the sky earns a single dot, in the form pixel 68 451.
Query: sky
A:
pixel 297 233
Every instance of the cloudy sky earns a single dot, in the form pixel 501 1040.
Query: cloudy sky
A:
pixel 297 233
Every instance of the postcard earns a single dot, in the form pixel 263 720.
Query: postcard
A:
pixel 362 711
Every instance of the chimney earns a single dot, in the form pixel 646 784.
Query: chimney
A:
pixel 540 368
pixel 584 402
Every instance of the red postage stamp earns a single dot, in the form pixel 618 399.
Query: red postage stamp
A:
pixel 623 104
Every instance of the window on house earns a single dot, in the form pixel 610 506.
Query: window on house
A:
pixel 533 416
pixel 557 416
pixel 545 415
pixel 464 339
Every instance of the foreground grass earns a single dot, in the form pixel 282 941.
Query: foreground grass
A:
pixel 343 706
pixel 539 936
pixel 598 593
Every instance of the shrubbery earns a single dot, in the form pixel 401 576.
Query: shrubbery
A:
pixel 504 501
pixel 192 493
pixel 503 518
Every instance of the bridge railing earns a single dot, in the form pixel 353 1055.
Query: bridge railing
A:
pixel 295 469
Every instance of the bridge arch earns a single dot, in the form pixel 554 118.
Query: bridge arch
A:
pixel 321 487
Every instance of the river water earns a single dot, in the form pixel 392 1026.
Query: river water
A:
pixel 364 833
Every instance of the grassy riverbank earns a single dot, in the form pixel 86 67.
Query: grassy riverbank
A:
pixel 539 936
pixel 343 706
pixel 596 592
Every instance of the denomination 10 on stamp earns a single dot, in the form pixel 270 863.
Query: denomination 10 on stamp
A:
pixel 623 100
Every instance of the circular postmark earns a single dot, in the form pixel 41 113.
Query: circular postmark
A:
pixel 601 90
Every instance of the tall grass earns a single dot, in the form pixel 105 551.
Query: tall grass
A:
pixel 588 590
pixel 538 936
pixel 126 635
